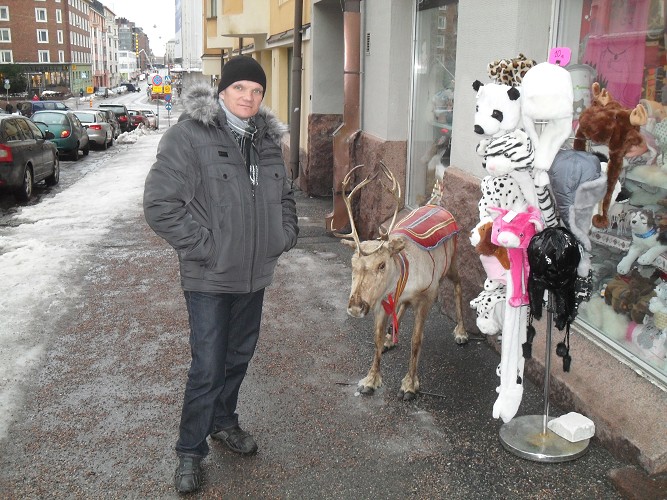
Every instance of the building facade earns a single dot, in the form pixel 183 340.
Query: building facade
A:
pixel 408 68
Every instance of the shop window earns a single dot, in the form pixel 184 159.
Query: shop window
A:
pixel 621 45
pixel 432 104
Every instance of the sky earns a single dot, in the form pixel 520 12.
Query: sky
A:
pixel 40 254
pixel 156 18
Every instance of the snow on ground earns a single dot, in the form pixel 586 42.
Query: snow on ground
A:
pixel 39 254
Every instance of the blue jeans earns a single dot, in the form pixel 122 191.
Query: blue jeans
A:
pixel 224 329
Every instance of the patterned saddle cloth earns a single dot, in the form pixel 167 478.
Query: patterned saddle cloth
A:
pixel 428 226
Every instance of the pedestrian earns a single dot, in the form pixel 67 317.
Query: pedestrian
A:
pixel 219 194
pixel 9 108
pixel 35 98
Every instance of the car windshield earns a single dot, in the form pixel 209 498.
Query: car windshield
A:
pixel 50 118
pixel 86 117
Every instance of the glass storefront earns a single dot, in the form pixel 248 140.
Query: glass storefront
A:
pixel 621 44
pixel 432 96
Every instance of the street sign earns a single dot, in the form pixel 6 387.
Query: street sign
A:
pixel 7 85
pixel 157 89
pixel 167 97
pixel 167 106
pixel 167 80
pixel 167 88
pixel 157 80
pixel 89 90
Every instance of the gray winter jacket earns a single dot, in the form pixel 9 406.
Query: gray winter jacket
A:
pixel 199 198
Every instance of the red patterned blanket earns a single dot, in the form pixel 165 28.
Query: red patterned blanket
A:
pixel 428 226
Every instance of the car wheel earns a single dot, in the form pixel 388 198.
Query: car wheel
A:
pixel 74 154
pixel 110 143
pixel 105 144
pixel 24 193
pixel 54 178
pixel 86 150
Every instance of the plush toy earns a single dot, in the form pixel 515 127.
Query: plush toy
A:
pixel 607 122
pixel 498 108
pixel 630 294
pixel 480 238
pixel 650 340
pixel 510 71
pixel 508 159
pixel 658 306
pixel 513 230
pixel 647 241
pixel 547 95
pixel 490 308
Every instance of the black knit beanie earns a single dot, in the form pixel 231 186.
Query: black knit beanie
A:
pixel 241 68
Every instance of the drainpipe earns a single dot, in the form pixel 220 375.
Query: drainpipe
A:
pixel 346 134
pixel 295 118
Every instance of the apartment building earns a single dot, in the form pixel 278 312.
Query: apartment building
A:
pixel 69 45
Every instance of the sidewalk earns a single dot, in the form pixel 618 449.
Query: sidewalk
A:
pixel 100 418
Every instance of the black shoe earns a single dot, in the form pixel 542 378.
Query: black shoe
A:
pixel 188 476
pixel 237 440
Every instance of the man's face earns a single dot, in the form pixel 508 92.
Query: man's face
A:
pixel 243 98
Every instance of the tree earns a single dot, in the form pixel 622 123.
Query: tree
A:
pixel 17 79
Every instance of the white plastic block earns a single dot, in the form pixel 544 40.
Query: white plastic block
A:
pixel 573 427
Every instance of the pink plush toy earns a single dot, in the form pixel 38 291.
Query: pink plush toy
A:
pixel 514 230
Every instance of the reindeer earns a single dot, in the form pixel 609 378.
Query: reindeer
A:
pixel 394 272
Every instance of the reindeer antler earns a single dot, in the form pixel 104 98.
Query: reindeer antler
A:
pixel 348 204
pixel 395 190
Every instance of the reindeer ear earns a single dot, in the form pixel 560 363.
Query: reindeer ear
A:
pixel 349 243
pixel 395 245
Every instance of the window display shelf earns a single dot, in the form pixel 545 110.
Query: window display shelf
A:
pixel 649 174
pixel 623 244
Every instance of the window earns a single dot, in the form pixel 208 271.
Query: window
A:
pixel 61 56
pixel 6 56
pixel 43 56
pixel 60 36
pixel 4 13
pixel 40 15
pixel 42 36
pixel 11 131
pixel 621 45
pixel 5 35
pixel 59 16
pixel 433 96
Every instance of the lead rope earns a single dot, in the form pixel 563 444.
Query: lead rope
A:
pixel 389 304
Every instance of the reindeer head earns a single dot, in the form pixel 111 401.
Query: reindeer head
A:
pixel 374 270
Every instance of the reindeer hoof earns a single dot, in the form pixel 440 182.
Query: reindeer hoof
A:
pixel 461 340
pixel 406 396
pixel 388 347
pixel 365 390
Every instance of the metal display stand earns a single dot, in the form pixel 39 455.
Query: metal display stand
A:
pixel 528 436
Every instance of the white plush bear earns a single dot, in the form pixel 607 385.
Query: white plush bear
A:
pixel 498 108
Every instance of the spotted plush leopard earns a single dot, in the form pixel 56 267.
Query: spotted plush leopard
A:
pixel 510 71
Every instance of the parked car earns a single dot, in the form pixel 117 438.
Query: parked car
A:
pixel 27 108
pixel 131 87
pixel 27 156
pixel 69 134
pixel 111 119
pixel 153 120
pixel 102 92
pixel 136 119
pixel 121 114
pixel 100 131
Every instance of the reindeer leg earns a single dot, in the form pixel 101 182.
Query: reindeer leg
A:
pixel 410 383
pixel 373 379
pixel 460 334
pixel 389 338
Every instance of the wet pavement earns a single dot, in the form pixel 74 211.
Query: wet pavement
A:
pixel 100 415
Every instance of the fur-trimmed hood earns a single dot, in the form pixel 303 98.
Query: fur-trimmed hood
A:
pixel 201 103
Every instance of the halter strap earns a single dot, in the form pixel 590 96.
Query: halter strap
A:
pixel 389 304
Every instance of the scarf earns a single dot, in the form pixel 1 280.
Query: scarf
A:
pixel 244 131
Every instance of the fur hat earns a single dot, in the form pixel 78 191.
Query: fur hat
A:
pixel 241 68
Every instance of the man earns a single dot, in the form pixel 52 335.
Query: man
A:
pixel 218 193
